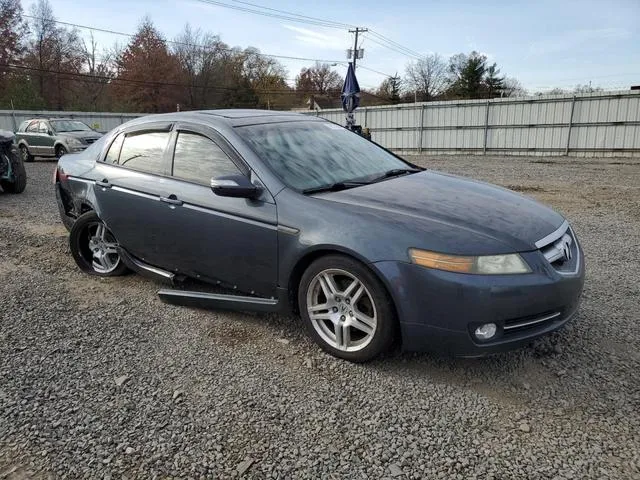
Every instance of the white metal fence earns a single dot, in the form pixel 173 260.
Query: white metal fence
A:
pixel 597 124
pixel 103 122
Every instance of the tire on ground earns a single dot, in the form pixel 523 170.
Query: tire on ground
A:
pixel 24 154
pixel 386 326
pixel 79 244
pixel 60 151
pixel 19 182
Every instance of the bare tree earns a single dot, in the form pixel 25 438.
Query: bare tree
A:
pixel 513 88
pixel 55 53
pixel 427 77
pixel 318 79
pixel 98 68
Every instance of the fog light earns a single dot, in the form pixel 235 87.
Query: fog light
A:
pixel 486 331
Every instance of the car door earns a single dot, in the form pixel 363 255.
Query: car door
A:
pixel 32 137
pixel 46 138
pixel 230 240
pixel 131 187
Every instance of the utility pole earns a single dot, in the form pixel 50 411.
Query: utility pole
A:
pixel 355 44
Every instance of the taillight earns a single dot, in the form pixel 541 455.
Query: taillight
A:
pixel 58 174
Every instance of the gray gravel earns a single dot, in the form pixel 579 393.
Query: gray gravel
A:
pixel 99 379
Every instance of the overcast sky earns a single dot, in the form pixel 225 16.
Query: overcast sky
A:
pixel 544 44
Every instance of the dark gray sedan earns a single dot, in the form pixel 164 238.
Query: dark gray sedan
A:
pixel 293 213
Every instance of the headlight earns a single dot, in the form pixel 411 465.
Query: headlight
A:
pixel 74 142
pixel 483 265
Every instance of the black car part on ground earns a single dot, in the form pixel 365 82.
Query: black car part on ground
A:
pixel 13 176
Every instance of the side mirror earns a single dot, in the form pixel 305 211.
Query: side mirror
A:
pixel 50 133
pixel 237 186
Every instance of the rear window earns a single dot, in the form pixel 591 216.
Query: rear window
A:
pixel 141 151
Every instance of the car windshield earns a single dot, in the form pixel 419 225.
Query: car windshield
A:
pixel 310 155
pixel 69 126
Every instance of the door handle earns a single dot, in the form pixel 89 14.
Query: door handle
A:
pixel 104 183
pixel 171 200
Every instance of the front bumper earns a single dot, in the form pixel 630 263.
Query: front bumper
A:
pixel 439 311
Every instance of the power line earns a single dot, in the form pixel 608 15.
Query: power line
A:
pixel 173 42
pixel 284 16
pixel 376 71
pixel 396 44
pixel 338 24
pixel 393 48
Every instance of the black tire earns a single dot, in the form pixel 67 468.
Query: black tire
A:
pixel 19 182
pixel 81 235
pixel 67 221
pixel 386 323
pixel 60 151
pixel 24 154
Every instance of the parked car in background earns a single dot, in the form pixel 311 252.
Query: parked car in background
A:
pixel 53 137
pixel 298 213
pixel 13 177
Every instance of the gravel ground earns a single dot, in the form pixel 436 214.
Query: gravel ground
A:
pixel 99 379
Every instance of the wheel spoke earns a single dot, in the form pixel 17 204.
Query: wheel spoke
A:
pixel 356 296
pixel 351 288
pixel 111 248
pixel 100 231
pixel 318 308
pixel 328 286
pixel 361 325
pixel 343 336
pixel 365 320
pixel 319 316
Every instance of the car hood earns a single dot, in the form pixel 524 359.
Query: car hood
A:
pixel 479 208
pixel 81 135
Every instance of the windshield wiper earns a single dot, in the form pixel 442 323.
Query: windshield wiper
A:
pixel 396 172
pixel 335 187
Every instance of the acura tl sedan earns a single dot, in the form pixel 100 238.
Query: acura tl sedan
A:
pixel 285 212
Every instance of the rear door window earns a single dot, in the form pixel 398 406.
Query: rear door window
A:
pixel 113 155
pixel 144 151
pixel 198 159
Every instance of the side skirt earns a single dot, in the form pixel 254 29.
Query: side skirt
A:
pixel 224 302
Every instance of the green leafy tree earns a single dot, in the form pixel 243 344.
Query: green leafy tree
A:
pixel 494 84
pixel 467 74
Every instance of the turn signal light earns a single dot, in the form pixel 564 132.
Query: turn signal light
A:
pixel 440 261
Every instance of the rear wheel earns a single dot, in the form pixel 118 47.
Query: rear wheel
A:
pixel 94 248
pixel 25 155
pixel 19 182
pixel 60 151
pixel 346 308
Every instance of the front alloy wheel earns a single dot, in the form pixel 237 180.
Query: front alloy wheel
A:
pixel 341 310
pixel 94 248
pixel 346 308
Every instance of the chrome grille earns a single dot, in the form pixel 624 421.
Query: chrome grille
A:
pixel 560 248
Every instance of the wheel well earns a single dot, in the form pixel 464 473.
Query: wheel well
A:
pixel 308 259
pixel 84 208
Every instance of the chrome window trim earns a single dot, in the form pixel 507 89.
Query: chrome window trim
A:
pixel 553 236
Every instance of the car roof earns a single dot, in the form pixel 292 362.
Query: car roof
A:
pixel 228 117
